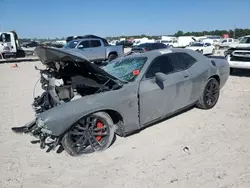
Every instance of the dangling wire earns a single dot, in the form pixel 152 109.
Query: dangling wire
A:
pixel 34 89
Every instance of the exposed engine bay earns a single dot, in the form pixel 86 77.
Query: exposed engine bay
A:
pixel 65 81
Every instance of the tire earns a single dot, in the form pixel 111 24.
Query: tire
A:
pixel 74 147
pixel 199 51
pixel 203 102
pixel 170 46
pixel 232 70
pixel 112 57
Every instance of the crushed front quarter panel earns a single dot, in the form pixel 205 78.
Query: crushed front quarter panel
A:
pixel 60 118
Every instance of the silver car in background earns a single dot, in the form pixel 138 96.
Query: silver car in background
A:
pixel 95 50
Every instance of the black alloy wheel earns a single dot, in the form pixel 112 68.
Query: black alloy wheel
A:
pixel 210 94
pixel 90 134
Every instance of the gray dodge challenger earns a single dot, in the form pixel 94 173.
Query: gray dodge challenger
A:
pixel 83 106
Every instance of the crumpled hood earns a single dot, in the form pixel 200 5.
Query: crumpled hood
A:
pixel 48 55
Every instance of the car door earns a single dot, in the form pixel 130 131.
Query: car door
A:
pixel 84 46
pixel 156 101
pixel 196 74
pixel 223 43
pixel 229 42
pixel 97 49
pixel 208 49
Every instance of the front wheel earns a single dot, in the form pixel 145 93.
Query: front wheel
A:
pixel 92 133
pixel 213 52
pixel 210 94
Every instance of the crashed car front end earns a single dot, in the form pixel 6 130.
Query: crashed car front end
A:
pixel 67 77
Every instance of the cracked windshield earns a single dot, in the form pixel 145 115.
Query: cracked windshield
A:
pixel 126 69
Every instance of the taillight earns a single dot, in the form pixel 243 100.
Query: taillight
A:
pixel 145 49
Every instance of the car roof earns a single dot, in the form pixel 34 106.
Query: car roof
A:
pixel 154 53
pixel 79 40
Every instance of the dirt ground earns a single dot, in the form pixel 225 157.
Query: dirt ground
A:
pixel 196 149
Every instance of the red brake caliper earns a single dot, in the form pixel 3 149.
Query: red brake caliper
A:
pixel 99 124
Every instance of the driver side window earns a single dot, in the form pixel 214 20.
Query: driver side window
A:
pixel 84 44
pixel 166 64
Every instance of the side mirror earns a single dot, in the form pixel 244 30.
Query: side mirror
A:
pixel 80 47
pixel 160 78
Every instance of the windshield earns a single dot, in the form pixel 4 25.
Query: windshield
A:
pixel 126 69
pixel 245 40
pixel 196 44
pixel 71 44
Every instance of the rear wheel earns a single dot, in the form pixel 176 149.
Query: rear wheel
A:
pixel 112 57
pixel 210 94
pixel 90 134
pixel 232 70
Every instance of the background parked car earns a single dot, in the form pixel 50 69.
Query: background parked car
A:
pixel 125 43
pixel 148 47
pixel 204 48
pixel 70 38
pixel 238 55
pixel 226 43
pixel 31 44
pixel 95 49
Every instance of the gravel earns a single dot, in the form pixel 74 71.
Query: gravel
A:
pixel 196 149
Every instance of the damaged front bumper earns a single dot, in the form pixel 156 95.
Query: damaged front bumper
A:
pixel 37 128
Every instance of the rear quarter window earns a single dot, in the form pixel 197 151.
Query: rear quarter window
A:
pixel 186 59
pixel 95 43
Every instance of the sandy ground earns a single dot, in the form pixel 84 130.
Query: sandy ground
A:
pixel 218 142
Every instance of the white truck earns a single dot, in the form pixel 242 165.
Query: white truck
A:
pixel 238 55
pixel 226 42
pixel 181 42
pixel 214 40
pixel 137 42
pixel 9 45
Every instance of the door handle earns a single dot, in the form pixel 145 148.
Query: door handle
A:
pixel 186 76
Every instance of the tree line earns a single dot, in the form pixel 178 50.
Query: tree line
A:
pixel 236 33
pixel 232 33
